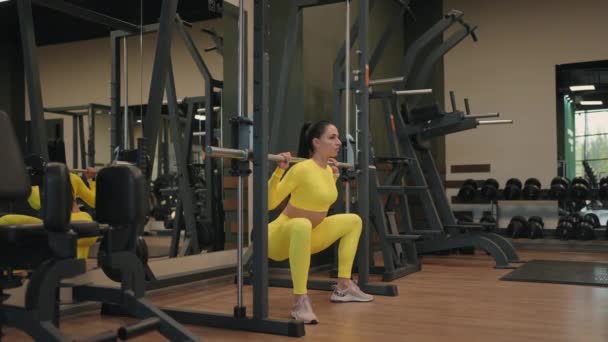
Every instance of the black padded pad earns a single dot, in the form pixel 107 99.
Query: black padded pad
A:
pixel 120 197
pixel 23 246
pixel 25 235
pixel 426 113
pixel 85 228
pixel 56 198
pixel 561 272
pixel 14 181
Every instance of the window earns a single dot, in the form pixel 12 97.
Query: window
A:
pixel 591 141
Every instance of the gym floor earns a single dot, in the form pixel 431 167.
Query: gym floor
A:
pixel 459 298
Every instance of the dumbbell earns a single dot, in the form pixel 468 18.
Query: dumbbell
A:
pixel 488 222
pixel 531 189
pixel 559 188
pixel 566 228
pixel 518 227
pixel 489 190
pixel 585 229
pixel 512 189
pixel 579 189
pixel 603 189
pixel 536 225
pixel 467 190
pixel 593 219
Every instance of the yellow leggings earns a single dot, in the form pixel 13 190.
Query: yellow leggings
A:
pixel 296 239
pixel 83 244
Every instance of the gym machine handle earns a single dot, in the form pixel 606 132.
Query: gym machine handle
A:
pixel 204 110
pixel 474 34
pixel 495 122
pixel 387 80
pixel 485 116
pixel 412 92
pixel 453 100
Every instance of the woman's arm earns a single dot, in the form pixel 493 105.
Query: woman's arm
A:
pixel 82 191
pixel 278 188
pixel 34 198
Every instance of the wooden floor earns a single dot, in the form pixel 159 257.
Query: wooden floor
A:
pixel 455 298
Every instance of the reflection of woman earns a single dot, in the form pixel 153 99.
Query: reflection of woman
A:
pixel 79 190
pixel 303 228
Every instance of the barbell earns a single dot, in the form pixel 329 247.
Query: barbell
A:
pixel 221 152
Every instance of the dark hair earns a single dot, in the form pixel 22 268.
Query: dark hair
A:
pixel 308 132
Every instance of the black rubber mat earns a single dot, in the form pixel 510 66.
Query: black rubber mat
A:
pixel 561 272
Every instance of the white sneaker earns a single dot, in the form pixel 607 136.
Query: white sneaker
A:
pixel 351 294
pixel 302 311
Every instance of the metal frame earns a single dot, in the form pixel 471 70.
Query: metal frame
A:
pixel 417 46
pixel 162 79
pixel 182 146
pixel 87 14
pixel 359 29
pixel 87 150
pixel 32 78
pixel 129 297
pixel 32 73
pixel 400 246
pixel 260 321
pixel 36 315
pixel 422 168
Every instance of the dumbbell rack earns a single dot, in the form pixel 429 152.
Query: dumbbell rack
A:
pixel 550 241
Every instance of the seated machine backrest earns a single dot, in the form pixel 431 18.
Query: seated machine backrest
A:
pixel 120 197
pixel 14 181
pixel 56 198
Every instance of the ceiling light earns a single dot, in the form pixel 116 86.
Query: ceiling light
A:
pixel 582 87
pixel 591 103
pixel 200 117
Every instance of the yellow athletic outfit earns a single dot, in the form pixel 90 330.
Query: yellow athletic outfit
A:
pixel 312 188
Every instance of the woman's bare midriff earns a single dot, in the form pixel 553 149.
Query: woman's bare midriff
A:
pixel 315 217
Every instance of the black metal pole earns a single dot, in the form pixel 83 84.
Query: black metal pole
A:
pixel 32 76
pixel 289 47
pixel 363 93
pixel 115 136
pixel 91 142
pixel 74 142
pixel 159 75
pixel 81 141
pixel 260 154
pixel 186 197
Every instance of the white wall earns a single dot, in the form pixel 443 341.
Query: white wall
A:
pixel 512 70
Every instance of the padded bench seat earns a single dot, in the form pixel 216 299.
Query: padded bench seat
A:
pixel 85 229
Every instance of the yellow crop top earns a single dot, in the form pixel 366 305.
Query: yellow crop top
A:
pixel 79 190
pixel 311 187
